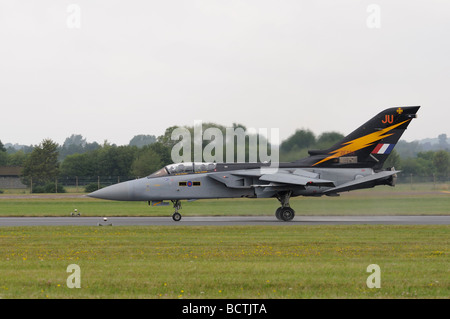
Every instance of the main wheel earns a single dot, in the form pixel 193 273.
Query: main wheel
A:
pixel 287 214
pixel 176 217
pixel 278 213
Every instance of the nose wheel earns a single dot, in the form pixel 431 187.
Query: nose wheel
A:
pixel 176 217
pixel 176 205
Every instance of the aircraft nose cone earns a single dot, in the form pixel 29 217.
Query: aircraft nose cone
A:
pixel 119 191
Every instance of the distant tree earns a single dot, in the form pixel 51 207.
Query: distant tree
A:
pixel 76 144
pixel 237 137
pixel 75 139
pixel 393 160
pixel 408 149
pixel 422 165
pixel 443 141
pixel 78 165
pixel 294 154
pixel 2 147
pixel 3 158
pixel 147 162
pixel 166 138
pixel 297 145
pixel 425 162
pixel 112 160
pixel 142 140
pixel 107 160
pixel 91 147
pixel 441 162
pixel 410 166
pixel 301 139
pixel 17 158
pixel 3 154
pixel 162 151
pixel 328 139
pixel 42 164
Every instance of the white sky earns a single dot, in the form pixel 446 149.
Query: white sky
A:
pixel 138 67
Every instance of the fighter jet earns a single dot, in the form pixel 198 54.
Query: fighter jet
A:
pixel 354 163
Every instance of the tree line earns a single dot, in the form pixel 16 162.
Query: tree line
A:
pixel 44 163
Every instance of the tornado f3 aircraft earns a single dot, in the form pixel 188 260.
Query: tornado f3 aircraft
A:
pixel 354 163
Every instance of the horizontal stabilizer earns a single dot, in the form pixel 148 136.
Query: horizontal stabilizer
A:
pixel 363 182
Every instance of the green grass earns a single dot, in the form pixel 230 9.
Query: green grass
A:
pixel 229 262
pixel 225 262
pixel 381 201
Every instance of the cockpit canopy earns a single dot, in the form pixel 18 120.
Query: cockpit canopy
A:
pixel 184 168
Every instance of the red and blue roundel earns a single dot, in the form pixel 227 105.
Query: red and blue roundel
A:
pixel 189 183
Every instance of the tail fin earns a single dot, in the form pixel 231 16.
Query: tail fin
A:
pixel 370 144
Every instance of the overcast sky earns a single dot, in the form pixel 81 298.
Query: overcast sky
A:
pixel 109 70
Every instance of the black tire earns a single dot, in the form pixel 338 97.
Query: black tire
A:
pixel 287 214
pixel 176 217
pixel 278 213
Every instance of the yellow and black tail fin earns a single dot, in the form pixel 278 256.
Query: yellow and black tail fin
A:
pixel 370 144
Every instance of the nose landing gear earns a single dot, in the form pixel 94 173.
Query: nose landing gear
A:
pixel 176 215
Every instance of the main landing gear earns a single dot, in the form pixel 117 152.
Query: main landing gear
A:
pixel 177 205
pixel 285 212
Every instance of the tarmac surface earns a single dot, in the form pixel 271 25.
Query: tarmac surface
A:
pixel 225 221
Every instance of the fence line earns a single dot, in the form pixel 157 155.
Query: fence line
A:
pixel 77 182
pixel 415 178
pixel 86 180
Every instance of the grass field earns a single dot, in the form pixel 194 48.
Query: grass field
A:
pixel 228 262
pixel 225 262
pixel 379 201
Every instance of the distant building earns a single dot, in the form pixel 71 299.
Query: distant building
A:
pixel 10 177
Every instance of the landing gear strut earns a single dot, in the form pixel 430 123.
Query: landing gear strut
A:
pixel 285 212
pixel 177 205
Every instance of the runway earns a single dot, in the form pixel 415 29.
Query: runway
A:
pixel 225 221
